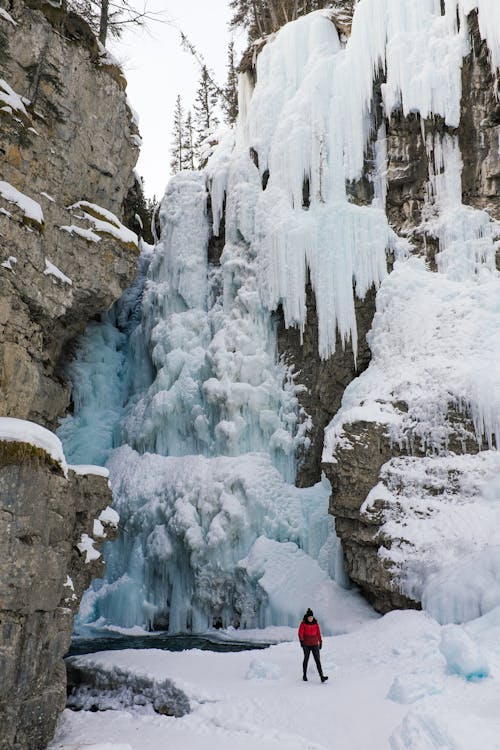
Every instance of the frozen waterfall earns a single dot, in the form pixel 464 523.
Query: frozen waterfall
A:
pixel 183 375
pixel 180 389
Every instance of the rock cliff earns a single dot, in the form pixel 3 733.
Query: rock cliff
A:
pixel 68 146
pixel 42 578
pixel 67 139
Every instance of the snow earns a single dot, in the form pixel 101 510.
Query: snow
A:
pixel 86 547
pixel 84 469
pixel 463 656
pixel 49 197
pixel 109 516
pixel 52 270
pixel 87 234
pixel 9 98
pixel 104 222
pixel 20 430
pixel 7 17
pixel 9 262
pixel 93 208
pixel 30 208
pixel 106 57
pixel 258 699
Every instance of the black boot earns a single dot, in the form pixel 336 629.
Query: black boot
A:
pixel 304 677
pixel 323 678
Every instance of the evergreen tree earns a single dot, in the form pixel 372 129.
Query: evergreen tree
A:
pixel 188 143
pixel 177 148
pixel 262 17
pixel 230 101
pixel 205 114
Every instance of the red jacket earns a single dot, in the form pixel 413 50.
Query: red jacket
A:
pixel 309 634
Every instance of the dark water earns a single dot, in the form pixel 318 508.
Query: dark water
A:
pixel 117 641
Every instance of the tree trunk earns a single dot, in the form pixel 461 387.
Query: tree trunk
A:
pixel 274 16
pixel 103 24
pixel 257 18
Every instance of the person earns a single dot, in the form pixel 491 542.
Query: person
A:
pixel 311 642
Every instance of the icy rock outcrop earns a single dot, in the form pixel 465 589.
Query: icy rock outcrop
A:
pixel 93 687
pixel 66 135
pixel 43 515
pixel 407 469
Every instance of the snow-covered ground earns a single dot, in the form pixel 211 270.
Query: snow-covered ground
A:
pixel 402 681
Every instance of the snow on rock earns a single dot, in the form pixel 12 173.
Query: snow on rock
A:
pixel 463 656
pixel 87 234
pixel 20 430
pixel 52 270
pixel 445 545
pixel 105 222
pixel 98 529
pixel 86 547
pixel 30 208
pixel 426 353
pixel 9 98
pixel 7 17
pixel 83 469
pixel 96 211
pixel 9 263
pixel 106 57
pixel 109 517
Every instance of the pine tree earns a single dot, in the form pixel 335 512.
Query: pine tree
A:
pixel 230 101
pixel 188 143
pixel 262 17
pixel 205 116
pixel 177 149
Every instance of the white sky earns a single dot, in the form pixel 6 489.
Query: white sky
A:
pixel 157 69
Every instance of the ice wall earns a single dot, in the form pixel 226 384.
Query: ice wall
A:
pixel 435 342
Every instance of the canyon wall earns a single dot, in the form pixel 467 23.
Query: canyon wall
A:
pixel 68 146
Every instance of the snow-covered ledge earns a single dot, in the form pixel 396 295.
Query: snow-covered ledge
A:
pixel 23 431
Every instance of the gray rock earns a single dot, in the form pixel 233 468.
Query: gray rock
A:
pixel 97 687
pixel 42 517
pixel 75 140
pixel 71 138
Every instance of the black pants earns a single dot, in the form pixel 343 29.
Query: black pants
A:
pixel 315 652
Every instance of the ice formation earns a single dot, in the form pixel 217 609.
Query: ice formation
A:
pixel 183 373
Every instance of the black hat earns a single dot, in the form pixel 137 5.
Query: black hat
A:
pixel 309 613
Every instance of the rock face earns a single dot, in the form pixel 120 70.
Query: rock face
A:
pixel 68 145
pixel 42 578
pixel 366 446
pixel 325 380
pixel 67 135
